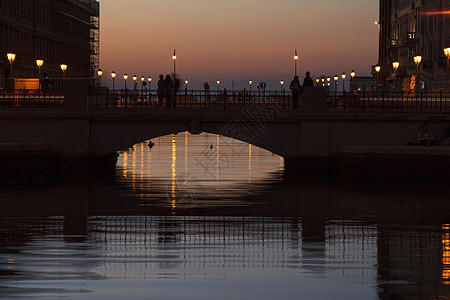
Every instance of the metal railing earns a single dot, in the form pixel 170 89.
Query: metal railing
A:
pixel 187 99
pixel 30 99
pixel 393 101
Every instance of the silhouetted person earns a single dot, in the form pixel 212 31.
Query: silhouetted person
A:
pixel 308 80
pixel 295 88
pixel 44 82
pixel 425 136
pixel 168 90
pixel 160 90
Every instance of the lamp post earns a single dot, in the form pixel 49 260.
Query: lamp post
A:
pixel 11 57
pixel 149 84
pixel 336 78
pixel 174 58
pixel 39 63
pixel 134 81
pixel 328 84
pixel 250 84
pixel 343 81
pixel 218 85
pixel 295 62
pixel 378 69
pixel 352 74
pixel 142 84
pixel 64 69
pixel 125 77
pixel 100 73
pixel 323 81
pixel 417 61
pixel 447 55
pixel 395 65
pixel 281 85
pixel 113 75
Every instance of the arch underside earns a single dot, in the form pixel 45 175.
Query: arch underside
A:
pixel 114 137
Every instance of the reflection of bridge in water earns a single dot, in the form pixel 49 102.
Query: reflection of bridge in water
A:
pixel 323 231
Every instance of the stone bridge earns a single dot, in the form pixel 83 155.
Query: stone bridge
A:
pixel 310 139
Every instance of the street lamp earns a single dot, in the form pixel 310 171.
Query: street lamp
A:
pixel 395 65
pixel 447 55
pixel 317 82
pixel 125 77
pixel 417 61
pixel 352 74
pixel 336 78
pixel 142 84
pixel 113 75
pixel 295 61
pixel 11 57
pixel 218 85
pixel 378 69
pixel 64 69
pixel 39 63
pixel 323 81
pixel 174 58
pixel 149 84
pixel 100 73
pixel 250 84
pixel 281 84
pixel 343 81
pixel 134 80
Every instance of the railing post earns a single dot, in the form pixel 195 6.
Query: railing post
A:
pixel 421 101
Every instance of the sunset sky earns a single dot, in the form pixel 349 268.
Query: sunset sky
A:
pixel 238 39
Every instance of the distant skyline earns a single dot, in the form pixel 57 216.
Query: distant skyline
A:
pixel 237 39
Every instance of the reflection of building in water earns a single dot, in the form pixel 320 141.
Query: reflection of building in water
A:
pixel 413 262
pixel 211 243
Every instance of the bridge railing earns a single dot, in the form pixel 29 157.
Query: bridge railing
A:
pixel 436 101
pixel 30 99
pixel 186 99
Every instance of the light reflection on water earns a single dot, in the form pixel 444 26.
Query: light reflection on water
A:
pixel 201 217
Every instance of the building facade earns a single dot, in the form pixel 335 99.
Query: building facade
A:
pixel 415 27
pixel 55 31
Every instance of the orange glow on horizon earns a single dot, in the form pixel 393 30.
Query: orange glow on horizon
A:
pixel 232 40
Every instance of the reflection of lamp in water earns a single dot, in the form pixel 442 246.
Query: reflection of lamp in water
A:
pixel 174 173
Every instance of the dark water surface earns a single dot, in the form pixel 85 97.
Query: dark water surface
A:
pixel 205 217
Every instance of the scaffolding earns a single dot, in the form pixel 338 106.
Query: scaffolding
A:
pixel 93 7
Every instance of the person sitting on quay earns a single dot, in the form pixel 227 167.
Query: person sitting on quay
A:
pixel 425 137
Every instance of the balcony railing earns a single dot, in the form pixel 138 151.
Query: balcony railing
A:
pixel 31 99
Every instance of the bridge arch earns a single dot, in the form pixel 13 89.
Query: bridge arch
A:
pixel 110 137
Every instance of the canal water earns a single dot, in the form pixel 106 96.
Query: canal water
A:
pixel 207 217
